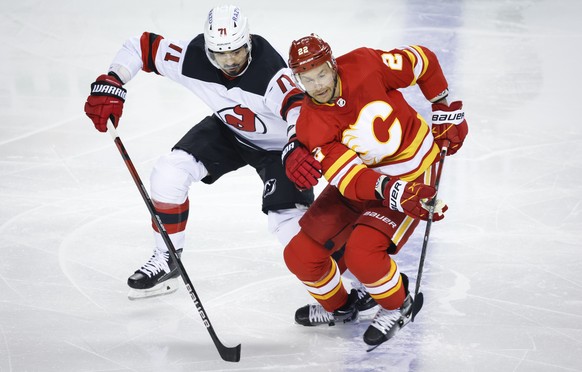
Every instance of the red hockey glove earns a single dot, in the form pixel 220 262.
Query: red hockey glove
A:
pixel 300 166
pixel 105 101
pixel 411 198
pixel 449 124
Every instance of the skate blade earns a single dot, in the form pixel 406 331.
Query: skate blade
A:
pixel 373 347
pixel 167 287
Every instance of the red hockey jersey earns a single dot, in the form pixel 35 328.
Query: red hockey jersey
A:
pixel 371 129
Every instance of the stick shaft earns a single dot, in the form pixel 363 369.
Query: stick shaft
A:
pixel 429 221
pixel 230 354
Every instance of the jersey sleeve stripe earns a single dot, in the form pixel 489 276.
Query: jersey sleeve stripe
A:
pixel 414 167
pixel 418 59
pixel 347 157
pixel 413 60
pixel 341 173
pixel 345 181
pixel 423 57
pixel 291 101
pixel 149 43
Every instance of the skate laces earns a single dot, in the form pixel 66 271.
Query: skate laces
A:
pixel 360 289
pixel 385 319
pixel 157 262
pixel 317 314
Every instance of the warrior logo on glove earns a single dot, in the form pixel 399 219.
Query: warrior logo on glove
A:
pixel 105 102
pixel 106 89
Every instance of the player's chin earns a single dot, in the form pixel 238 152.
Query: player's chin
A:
pixel 321 97
pixel 232 70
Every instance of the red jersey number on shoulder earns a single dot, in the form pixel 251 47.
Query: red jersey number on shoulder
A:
pixel 376 134
pixel 171 57
pixel 283 81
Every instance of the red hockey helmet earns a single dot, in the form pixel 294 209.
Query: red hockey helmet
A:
pixel 309 52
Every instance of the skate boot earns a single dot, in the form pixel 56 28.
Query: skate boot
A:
pixel 315 314
pixel 367 307
pixel 387 323
pixel 156 277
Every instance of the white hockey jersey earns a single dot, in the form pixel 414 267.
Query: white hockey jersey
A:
pixel 257 106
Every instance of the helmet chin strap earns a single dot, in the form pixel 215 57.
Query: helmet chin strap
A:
pixel 332 100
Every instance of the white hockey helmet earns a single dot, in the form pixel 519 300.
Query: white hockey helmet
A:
pixel 226 29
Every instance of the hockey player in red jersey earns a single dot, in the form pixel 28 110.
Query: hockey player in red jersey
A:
pixel 249 88
pixel 379 157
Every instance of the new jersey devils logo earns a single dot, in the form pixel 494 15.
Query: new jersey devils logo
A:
pixel 242 119
pixel 270 187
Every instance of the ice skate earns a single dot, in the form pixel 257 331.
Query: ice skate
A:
pixel 315 314
pixel 367 307
pixel 156 277
pixel 387 323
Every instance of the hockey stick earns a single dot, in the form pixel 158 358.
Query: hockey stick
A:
pixel 229 354
pixel 418 296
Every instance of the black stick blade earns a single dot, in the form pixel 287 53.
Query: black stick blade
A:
pixel 229 354
pixel 417 305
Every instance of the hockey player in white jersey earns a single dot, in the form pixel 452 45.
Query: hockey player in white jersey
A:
pixel 246 83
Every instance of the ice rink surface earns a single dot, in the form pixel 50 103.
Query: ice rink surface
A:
pixel 503 275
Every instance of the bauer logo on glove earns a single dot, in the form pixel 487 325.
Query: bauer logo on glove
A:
pixel 441 117
pixel 449 127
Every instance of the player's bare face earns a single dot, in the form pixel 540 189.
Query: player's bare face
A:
pixel 319 83
pixel 232 63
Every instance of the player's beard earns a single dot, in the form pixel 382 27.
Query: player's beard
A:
pixel 233 70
